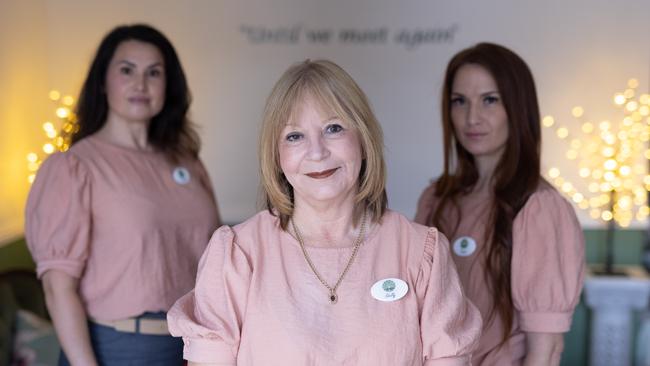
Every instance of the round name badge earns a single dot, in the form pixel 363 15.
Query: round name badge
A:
pixel 464 246
pixel 181 175
pixel 389 289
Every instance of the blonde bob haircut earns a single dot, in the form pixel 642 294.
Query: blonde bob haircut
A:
pixel 337 93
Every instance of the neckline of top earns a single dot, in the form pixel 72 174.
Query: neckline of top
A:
pixel 370 235
pixel 99 141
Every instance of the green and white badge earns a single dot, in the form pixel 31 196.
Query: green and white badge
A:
pixel 389 289
pixel 464 246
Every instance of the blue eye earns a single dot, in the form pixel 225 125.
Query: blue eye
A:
pixel 333 128
pixel 293 136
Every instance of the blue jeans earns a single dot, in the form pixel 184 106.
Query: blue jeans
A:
pixel 114 348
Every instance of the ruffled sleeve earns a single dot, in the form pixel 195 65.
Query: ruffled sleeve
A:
pixel 425 205
pixel 58 217
pixel 450 323
pixel 548 261
pixel 209 318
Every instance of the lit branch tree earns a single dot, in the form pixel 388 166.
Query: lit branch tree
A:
pixel 57 140
pixel 612 159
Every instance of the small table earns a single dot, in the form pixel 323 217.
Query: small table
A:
pixel 612 300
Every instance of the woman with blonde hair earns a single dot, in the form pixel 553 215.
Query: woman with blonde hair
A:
pixel 326 275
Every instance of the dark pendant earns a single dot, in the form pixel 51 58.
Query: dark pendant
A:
pixel 333 298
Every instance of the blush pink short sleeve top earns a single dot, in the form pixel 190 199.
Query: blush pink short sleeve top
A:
pixel 129 224
pixel 256 301
pixel 547 268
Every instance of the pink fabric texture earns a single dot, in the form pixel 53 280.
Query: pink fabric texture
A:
pixel 547 268
pixel 117 219
pixel 256 301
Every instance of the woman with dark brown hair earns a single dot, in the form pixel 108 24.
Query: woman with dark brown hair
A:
pixel 516 242
pixel 117 223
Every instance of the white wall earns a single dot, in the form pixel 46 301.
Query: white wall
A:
pixel 581 52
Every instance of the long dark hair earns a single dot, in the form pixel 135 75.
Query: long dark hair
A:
pixel 516 175
pixel 170 131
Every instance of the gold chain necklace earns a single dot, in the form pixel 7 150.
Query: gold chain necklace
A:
pixel 333 297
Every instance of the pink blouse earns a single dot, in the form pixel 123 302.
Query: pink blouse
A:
pixel 256 301
pixel 129 224
pixel 547 268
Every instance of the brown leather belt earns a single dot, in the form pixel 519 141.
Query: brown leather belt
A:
pixel 136 325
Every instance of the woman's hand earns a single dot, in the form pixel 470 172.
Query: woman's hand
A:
pixel 544 349
pixel 68 316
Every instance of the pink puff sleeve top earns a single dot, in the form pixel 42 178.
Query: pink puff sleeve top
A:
pixel 130 225
pixel 58 216
pixel 256 301
pixel 547 263
pixel 547 267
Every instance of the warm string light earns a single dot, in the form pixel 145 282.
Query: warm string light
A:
pixel 612 159
pixel 58 139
